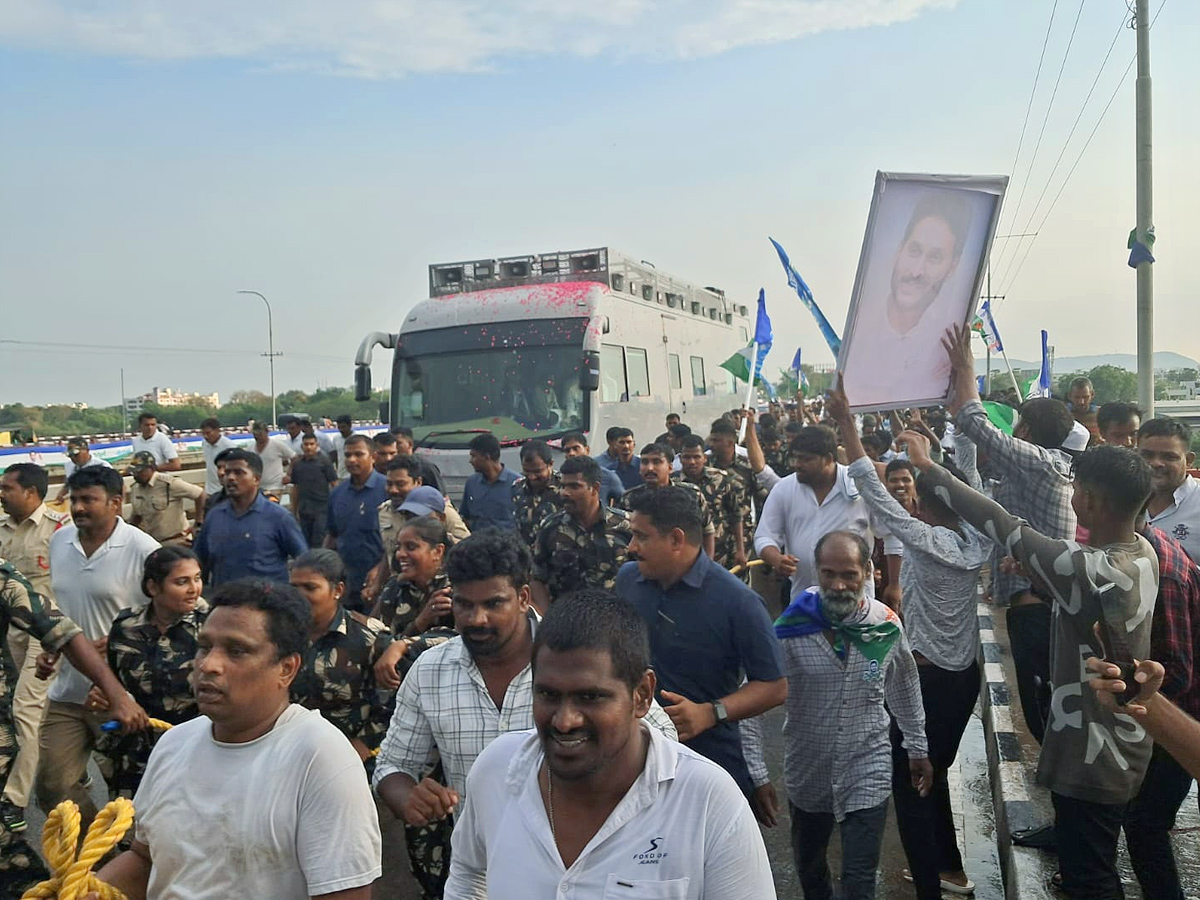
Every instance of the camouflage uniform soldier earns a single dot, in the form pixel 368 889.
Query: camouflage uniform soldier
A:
pixel 20 606
pixel 582 546
pixel 402 600
pixel 538 494
pixel 337 678
pixel 726 501
pixel 655 467
pixel 722 440
pixel 155 666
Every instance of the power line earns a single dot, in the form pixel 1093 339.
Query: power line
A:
pixel 1066 143
pixel 15 345
pixel 1045 119
pixel 1036 77
pixel 1083 150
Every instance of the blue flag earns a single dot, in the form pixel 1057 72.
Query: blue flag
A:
pixel 797 372
pixel 806 297
pixel 746 365
pixel 764 336
pixel 985 313
pixel 1043 388
pixel 762 324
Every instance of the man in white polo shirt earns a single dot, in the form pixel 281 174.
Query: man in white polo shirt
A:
pixel 154 441
pixel 1174 507
pixel 95 572
pixel 214 442
pixel 594 803
pixel 819 497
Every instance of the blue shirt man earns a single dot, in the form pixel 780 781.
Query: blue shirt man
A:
pixel 706 629
pixel 575 444
pixel 630 473
pixel 625 463
pixel 610 486
pixel 353 523
pixel 488 495
pixel 248 536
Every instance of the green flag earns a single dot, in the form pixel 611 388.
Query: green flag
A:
pixel 738 366
pixel 1001 415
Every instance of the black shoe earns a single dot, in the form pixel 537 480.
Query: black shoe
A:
pixel 12 817
pixel 1041 838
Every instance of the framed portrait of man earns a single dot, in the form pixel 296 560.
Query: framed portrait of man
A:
pixel 920 271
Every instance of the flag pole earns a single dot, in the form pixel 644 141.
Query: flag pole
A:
pixel 1012 375
pixel 749 392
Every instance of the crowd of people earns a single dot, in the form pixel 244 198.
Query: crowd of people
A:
pixel 559 683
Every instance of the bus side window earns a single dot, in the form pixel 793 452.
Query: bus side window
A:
pixel 698 388
pixel 676 374
pixel 638 372
pixel 612 374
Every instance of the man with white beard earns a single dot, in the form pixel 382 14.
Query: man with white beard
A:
pixel 845 655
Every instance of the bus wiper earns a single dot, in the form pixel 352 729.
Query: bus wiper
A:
pixel 434 434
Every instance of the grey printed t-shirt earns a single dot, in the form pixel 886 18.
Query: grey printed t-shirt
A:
pixel 1089 753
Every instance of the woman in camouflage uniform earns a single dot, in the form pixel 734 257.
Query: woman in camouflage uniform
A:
pixel 337 675
pixel 150 648
pixel 416 599
pixel 416 603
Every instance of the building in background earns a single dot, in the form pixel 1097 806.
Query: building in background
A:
pixel 170 397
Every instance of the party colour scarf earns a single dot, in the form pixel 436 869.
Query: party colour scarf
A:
pixel 868 630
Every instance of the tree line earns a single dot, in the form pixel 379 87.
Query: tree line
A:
pixel 241 408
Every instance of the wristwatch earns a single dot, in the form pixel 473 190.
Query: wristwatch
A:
pixel 719 711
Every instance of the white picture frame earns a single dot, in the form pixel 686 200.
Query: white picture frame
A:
pixel 920 271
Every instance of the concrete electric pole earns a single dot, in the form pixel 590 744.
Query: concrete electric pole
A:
pixel 1145 214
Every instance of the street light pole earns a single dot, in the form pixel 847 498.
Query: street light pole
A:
pixel 270 354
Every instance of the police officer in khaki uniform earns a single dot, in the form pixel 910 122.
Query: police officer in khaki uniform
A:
pixel 25 531
pixel 157 500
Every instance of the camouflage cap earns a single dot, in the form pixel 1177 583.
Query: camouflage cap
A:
pixel 141 460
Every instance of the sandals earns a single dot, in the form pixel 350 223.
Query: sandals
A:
pixel 953 887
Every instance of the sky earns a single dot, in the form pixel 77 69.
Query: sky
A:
pixel 156 158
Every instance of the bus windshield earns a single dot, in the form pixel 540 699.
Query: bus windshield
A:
pixel 516 393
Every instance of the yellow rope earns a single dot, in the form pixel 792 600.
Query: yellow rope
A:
pixel 71 876
pixel 753 564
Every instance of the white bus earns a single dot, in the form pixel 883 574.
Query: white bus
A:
pixel 538 346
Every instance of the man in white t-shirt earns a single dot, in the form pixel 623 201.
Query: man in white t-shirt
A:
pixel 214 442
pixel 96 567
pixel 150 439
pixel 79 456
pixel 256 797
pixel 817 498
pixel 276 453
pixel 345 428
pixel 594 803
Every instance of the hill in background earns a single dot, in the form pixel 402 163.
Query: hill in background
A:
pixel 1162 362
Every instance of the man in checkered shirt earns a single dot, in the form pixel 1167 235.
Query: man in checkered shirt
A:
pixel 461 695
pixel 845 655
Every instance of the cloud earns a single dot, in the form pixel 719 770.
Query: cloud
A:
pixel 394 38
